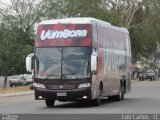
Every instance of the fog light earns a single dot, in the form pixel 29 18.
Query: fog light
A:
pixel 84 97
pixel 40 97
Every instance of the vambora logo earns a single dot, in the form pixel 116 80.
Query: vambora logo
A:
pixel 52 34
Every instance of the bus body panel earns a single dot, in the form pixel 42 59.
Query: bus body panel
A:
pixel 114 58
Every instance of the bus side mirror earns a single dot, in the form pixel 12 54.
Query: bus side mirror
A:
pixel 29 65
pixel 94 63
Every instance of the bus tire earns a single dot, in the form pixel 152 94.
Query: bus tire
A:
pixel 120 96
pixel 49 103
pixel 97 102
pixel 111 98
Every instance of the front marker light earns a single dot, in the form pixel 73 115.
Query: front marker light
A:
pixel 84 85
pixel 39 85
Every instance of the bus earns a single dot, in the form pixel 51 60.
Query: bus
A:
pixel 82 59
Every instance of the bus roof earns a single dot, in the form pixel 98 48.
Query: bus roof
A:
pixel 77 20
pixel 83 20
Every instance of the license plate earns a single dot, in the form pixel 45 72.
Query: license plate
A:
pixel 61 94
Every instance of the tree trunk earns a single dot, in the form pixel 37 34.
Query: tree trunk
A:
pixel 5 81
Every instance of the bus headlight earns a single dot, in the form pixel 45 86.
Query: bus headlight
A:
pixel 39 85
pixel 84 85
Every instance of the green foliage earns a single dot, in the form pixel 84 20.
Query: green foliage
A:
pixel 17 24
pixel 17 34
pixel 74 8
pixel 13 52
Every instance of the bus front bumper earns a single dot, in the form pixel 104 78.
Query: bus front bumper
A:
pixel 63 95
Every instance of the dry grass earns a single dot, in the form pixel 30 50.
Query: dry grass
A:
pixel 14 90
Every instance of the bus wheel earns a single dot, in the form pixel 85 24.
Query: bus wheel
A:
pixel 97 101
pixel 50 103
pixel 120 96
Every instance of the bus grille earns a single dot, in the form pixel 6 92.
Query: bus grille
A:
pixel 61 87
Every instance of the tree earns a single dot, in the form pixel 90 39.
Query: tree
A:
pixel 17 34
pixel 19 18
pixel 13 52
pixel 137 16
pixel 23 14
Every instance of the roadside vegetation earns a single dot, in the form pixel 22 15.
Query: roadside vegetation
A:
pixel 14 90
pixel 18 20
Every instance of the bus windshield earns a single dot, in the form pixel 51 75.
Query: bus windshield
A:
pixel 63 62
